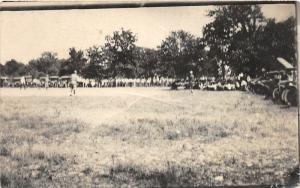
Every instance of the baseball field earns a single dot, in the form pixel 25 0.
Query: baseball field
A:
pixel 144 137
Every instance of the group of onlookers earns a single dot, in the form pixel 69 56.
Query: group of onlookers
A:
pixel 240 82
pixel 65 81
pixel 137 82
pixel 209 83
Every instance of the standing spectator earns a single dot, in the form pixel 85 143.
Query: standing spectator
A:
pixel 168 80
pixel 136 82
pixel 155 80
pixel 143 81
pixel 139 82
pixel 191 81
pixel 118 82
pixel 162 81
pixel 149 82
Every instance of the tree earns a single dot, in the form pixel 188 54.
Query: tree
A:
pixel 119 54
pixel 232 37
pixel 277 40
pixel 2 70
pixel 241 37
pixel 180 52
pixel 14 68
pixel 147 62
pixel 48 63
pixel 33 69
pixel 95 68
pixel 76 61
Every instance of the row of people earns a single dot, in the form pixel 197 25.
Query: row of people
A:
pixel 239 82
pixel 191 82
pixel 65 81
pixel 136 82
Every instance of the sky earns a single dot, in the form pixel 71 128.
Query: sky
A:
pixel 25 35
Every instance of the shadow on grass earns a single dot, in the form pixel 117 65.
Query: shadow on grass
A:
pixel 12 180
pixel 34 169
pixel 202 176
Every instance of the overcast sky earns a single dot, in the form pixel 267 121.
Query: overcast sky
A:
pixel 25 35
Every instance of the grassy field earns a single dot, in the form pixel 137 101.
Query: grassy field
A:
pixel 144 137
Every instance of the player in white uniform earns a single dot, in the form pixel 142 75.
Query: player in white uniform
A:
pixel 23 82
pixel 73 85
pixel 46 81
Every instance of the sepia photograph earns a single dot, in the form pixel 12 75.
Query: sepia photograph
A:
pixel 149 94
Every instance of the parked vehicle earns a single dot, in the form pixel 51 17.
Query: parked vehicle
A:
pixel 286 91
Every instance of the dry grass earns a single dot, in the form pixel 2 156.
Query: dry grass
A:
pixel 144 137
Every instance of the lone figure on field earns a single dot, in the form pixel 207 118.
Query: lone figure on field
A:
pixel 23 82
pixel 191 81
pixel 73 85
pixel 47 82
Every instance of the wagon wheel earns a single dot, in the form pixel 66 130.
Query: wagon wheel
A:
pixel 275 95
pixel 283 95
pixel 260 89
pixel 291 96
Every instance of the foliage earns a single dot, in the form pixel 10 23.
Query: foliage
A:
pixel 241 37
pixel 14 68
pixel 119 53
pixel 180 52
pixel 2 70
pixel 147 62
pixel 231 36
pixel 76 61
pixel 277 40
pixel 48 63
pixel 95 67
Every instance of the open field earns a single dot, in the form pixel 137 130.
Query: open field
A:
pixel 144 137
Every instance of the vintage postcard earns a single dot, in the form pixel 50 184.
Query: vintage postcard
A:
pixel 148 94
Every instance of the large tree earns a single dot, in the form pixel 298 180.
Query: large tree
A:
pixel 47 63
pixel 180 52
pixel 14 68
pixel 232 36
pixel 147 62
pixel 119 53
pixel 76 61
pixel 277 39
pixel 96 67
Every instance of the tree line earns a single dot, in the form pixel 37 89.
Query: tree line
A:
pixel 239 37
